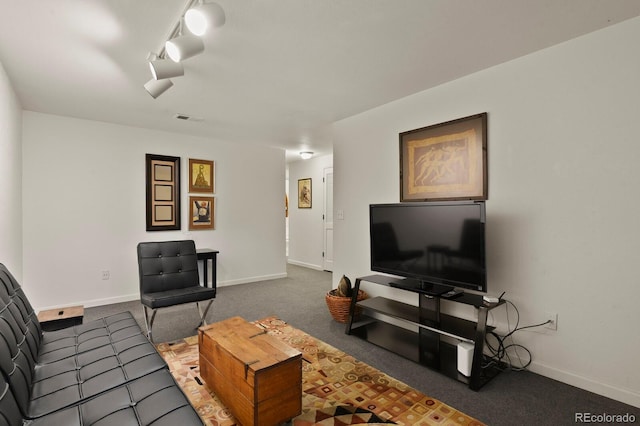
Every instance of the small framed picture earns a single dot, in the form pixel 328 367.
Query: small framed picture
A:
pixel 201 213
pixel 201 175
pixel 304 193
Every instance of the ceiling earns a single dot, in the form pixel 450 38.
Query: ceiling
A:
pixel 279 72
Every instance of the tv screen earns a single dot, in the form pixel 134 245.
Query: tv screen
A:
pixel 438 244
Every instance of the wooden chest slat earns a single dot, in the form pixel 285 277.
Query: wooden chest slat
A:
pixel 258 377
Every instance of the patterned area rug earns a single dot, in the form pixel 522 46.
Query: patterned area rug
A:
pixel 337 389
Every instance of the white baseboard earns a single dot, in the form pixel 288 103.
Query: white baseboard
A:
pixel 252 279
pixel 136 296
pixel 626 396
pixel 94 302
pixel 306 265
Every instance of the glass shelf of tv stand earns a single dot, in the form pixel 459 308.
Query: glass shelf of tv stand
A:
pixel 422 346
pixel 447 325
pixel 475 300
pixel 406 344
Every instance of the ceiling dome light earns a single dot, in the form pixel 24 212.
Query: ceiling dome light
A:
pixel 183 47
pixel 200 18
pixel 306 155
pixel 165 68
pixel 157 87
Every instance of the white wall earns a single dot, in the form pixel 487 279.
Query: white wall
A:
pixel 84 208
pixel 563 208
pixel 10 177
pixel 306 225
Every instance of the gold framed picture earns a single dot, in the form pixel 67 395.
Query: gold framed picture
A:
pixel 446 161
pixel 163 192
pixel 201 213
pixel 304 193
pixel 201 175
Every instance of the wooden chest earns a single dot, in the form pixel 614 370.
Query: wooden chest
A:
pixel 256 376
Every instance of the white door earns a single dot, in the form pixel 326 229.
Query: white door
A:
pixel 327 253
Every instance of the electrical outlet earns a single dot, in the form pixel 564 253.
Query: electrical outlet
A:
pixel 552 317
pixel 105 274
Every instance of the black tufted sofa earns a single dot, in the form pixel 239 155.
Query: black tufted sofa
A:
pixel 105 372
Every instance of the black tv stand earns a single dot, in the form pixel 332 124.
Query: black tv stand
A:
pixel 424 287
pixel 434 344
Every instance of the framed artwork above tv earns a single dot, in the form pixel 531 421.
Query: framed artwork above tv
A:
pixel 446 161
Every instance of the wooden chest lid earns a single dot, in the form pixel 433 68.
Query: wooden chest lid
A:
pixel 249 344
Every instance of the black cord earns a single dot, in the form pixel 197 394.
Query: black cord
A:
pixel 501 352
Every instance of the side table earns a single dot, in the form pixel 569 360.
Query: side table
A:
pixel 207 254
pixel 56 319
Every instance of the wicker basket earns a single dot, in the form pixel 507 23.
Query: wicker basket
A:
pixel 339 305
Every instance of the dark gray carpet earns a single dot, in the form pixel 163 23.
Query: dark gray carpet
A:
pixel 512 398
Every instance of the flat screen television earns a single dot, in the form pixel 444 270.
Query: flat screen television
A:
pixel 435 246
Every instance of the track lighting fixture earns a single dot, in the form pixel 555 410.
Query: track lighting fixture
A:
pixel 203 16
pixel 179 46
pixel 157 87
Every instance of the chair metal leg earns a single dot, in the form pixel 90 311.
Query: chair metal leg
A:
pixel 203 316
pixel 149 323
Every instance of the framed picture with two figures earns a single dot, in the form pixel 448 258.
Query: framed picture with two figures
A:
pixel 446 161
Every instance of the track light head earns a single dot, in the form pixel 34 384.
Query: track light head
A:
pixel 200 18
pixel 184 47
pixel 157 87
pixel 165 68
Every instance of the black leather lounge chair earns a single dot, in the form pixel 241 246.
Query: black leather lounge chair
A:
pixel 169 276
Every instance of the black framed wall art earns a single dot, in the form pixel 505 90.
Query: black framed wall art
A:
pixel 163 192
